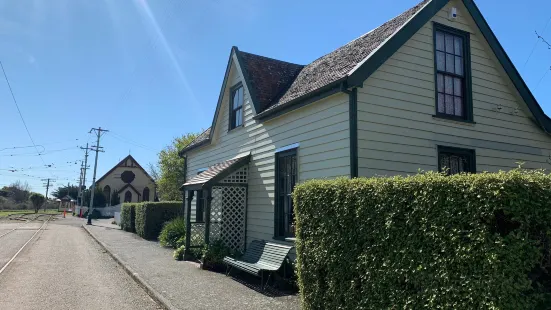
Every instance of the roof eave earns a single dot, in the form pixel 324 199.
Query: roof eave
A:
pixel 376 59
pixel 320 93
pixel 540 117
pixel 183 151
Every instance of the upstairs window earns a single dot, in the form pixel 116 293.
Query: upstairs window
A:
pixel 452 66
pixel 236 107
pixel 455 160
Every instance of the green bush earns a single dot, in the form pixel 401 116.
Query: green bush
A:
pixel 213 254
pixel 150 217
pixel 95 214
pixel 179 253
pixel 429 241
pixel 173 233
pixel 128 217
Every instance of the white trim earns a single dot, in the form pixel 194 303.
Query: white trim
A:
pixel 385 41
pixel 288 147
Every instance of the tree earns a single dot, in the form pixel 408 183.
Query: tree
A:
pixel 153 171
pixel 115 199
pixel 37 200
pixel 62 191
pixel 171 168
pixel 18 191
pixel 99 198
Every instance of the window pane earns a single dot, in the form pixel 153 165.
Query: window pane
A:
pixel 449 104
pixel 440 61
pixel 241 96
pixel 440 82
pixel 458 46
pixel 454 164
pixel 449 63
pixel 457 86
pixel 235 99
pixel 238 98
pixel 439 41
pixel 448 85
pixel 449 43
pixel 444 162
pixel 458 65
pixel 462 164
pixel 238 117
pixel 458 106
pixel 441 105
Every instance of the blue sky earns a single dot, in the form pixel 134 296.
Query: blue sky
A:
pixel 152 70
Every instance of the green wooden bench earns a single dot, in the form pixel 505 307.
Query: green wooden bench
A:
pixel 260 257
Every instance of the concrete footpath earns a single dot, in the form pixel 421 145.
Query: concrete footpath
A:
pixel 180 285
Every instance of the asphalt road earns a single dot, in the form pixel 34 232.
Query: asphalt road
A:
pixel 63 268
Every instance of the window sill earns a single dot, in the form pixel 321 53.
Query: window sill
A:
pixel 455 120
pixel 236 128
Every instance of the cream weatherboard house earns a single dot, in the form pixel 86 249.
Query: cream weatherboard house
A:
pixel 129 181
pixel 429 89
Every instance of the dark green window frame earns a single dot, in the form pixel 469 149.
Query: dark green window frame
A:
pixel 467 78
pixel 469 155
pixel 234 111
pixel 280 231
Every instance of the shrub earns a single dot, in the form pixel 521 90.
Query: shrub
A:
pixel 150 217
pixel 213 254
pixel 95 214
pixel 425 241
pixel 128 217
pixel 173 233
pixel 179 253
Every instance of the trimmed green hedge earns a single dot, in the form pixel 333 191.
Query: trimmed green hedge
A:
pixel 151 216
pixel 128 217
pixel 428 241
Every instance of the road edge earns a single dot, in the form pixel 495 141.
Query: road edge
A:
pixel 153 293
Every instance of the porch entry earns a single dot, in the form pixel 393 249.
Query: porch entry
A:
pixel 221 205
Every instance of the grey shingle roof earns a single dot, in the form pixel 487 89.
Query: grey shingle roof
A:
pixel 268 78
pixel 204 136
pixel 336 65
pixel 277 83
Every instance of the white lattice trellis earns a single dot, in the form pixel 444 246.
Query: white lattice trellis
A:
pixel 228 213
pixel 197 236
pixel 239 176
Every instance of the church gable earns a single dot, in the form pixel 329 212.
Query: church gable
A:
pixel 128 176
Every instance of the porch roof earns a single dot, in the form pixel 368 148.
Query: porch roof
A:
pixel 216 173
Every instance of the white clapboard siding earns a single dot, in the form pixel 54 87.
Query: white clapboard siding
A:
pixel 321 129
pixel 397 133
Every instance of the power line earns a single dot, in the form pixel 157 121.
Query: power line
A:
pixel 546 71
pixel 19 111
pixel 40 153
pixel 126 140
pixel 537 41
pixel 543 40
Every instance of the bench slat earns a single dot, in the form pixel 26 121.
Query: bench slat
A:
pixel 261 255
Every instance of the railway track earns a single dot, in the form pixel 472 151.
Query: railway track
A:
pixel 41 228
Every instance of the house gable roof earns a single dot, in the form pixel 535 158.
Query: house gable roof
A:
pixel 351 64
pixel 120 165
